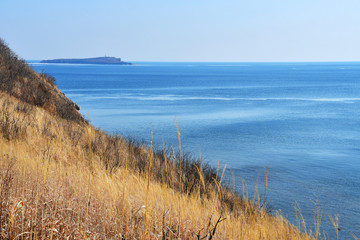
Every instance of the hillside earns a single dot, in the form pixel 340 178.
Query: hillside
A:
pixel 61 178
pixel 20 81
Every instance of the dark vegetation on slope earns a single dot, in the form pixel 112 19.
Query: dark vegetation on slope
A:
pixel 21 81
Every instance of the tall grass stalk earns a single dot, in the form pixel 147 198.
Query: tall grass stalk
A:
pixel 147 204
pixel 180 176
pixel 335 222
pixel 266 185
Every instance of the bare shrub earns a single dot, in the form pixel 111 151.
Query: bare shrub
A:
pixel 12 127
pixel 48 78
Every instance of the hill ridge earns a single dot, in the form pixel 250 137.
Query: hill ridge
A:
pixel 19 80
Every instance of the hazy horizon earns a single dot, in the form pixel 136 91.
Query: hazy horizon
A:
pixel 186 31
pixel 139 61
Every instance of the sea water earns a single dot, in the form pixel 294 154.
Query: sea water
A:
pixel 301 121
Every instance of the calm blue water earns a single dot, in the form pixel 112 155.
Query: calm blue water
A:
pixel 300 120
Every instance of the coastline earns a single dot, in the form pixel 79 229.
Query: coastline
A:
pixel 104 185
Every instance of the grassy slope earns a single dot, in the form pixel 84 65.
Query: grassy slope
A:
pixel 62 178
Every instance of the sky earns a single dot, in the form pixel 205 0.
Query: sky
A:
pixel 186 30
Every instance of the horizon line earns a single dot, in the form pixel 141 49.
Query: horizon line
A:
pixel 310 61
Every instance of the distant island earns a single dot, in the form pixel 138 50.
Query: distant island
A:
pixel 96 60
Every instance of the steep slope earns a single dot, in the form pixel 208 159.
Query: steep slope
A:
pixel 19 80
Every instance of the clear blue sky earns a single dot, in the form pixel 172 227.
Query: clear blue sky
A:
pixel 184 30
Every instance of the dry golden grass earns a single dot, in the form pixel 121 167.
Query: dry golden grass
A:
pixel 60 178
pixel 64 180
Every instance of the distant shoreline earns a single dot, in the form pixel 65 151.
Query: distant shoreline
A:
pixel 97 60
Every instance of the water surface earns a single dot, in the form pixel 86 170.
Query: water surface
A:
pixel 299 120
